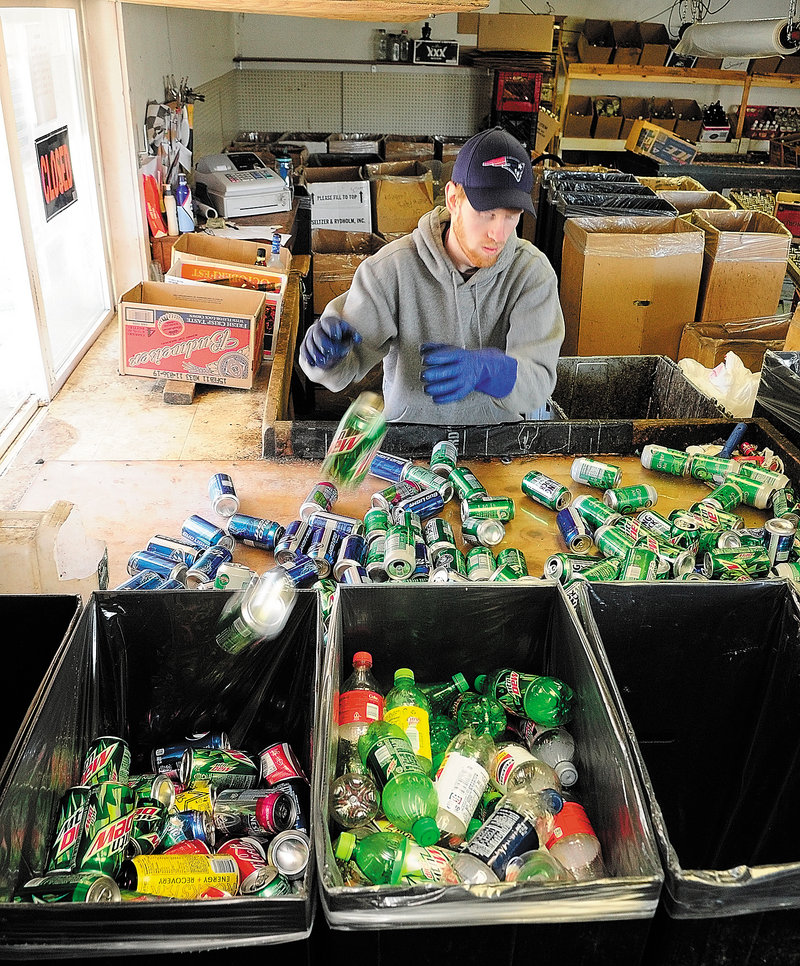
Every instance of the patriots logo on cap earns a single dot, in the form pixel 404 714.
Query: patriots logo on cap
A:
pixel 513 165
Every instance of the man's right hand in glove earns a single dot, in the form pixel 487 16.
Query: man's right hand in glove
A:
pixel 328 341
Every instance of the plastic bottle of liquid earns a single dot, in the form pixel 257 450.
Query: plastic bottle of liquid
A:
pixel 513 765
pixel 405 47
pixel 443 730
pixel 275 254
pixel 543 699
pixel 574 843
pixel 171 210
pixel 462 779
pixel 556 748
pixel 408 707
pixel 354 797
pixel 183 201
pixel 539 865
pixel 408 796
pixel 442 694
pixel 480 712
pixel 360 701
pixel 381 48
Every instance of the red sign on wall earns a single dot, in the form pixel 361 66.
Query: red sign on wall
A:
pixel 55 172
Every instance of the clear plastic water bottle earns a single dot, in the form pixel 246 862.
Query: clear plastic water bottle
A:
pixel 354 796
pixel 381 47
pixel 408 796
pixel 462 779
pixel 556 748
pixel 360 700
pixel 574 843
pixel 513 766
pixel 407 707
pixel 538 865
pixel 543 699
pixel 275 262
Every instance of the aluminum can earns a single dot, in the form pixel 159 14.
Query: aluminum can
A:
pixel 255 531
pixel 711 469
pixel 612 542
pixel 451 558
pixel 144 580
pixel 631 499
pixel 574 531
pixel 83 886
pixel 201 797
pixel 179 876
pixel 782 503
pixel 545 491
pixel 429 480
pixel 167 758
pixel 299 790
pixel 170 585
pixel 356 441
pixel 374 565
pixel 594 512
pixel 606 568
pixel 247 852
pixel 691 575
pixel 751 536
pixel 352 552
pixel 564 566
pixel 285 166
pixel 301 572
pixel 166 567
pixel 233 576
pixel 292 541
pixel 399 553
pixel 222 494
pixel 205 568
pixel 655 524
pixel 595 473
pixel 354 574
pixel 444 575
pixel 376 524
pixel 202 533
pixel 336 521
pixel 438 532
pixel 633 528
pixel 717 540
pixel 666 460
pixel 147 827
pixel 323 545
pixel 444 457
pixel 108 759
pixel 639 564
pixel 513 557
pixel 386 466
pixel 466 484
pixel 425 504
pixel 107 828
pixel 686 529
pixel 188 847
pixel 275 885
pixel 710 518
pixel 412 522
pixel 486 533
pixel 172 547
pixel 254 811
pixel 753 560
pixel 197 825
pixel 481 563
pixel 158 787
pixel 223 768
pixel 69 829
pixel 752 472
pixel 733 572
pixel 790 570
pixel 488 508
pixel 322 496
pixel 779 536
pixel 280 763
pixel 391 495
pixel 422 563
pixel 288 852
pixel 753 492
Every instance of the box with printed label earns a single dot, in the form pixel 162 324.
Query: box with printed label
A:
pixel 195 333
pixel 654 142
pixel 402 192
pixel 340 198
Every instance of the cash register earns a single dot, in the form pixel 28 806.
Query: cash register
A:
pixel 239 183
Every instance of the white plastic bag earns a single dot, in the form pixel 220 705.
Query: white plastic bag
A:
pixel 732 385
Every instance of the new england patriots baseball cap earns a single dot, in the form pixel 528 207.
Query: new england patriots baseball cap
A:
pixel 495 170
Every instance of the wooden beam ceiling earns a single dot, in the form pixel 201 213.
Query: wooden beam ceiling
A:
pixel 373 11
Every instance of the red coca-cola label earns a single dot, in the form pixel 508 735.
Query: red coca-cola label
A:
pixel 360 707
pixel 278 763
pixel 570 820
pixel 247 854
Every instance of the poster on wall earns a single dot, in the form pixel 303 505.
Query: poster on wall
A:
pixel 55 172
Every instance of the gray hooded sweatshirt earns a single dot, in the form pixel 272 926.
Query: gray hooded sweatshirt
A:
pixel 410 293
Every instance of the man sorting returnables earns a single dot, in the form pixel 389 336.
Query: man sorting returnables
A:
pixel 464 314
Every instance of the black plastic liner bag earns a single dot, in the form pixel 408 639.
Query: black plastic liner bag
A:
pixel 707 679
pixel 557 176
pixel 144 666
pixel 438 630
pixel 779 392
pixel 56 615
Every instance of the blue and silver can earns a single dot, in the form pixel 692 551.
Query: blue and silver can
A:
pixel 222 494
pixel 576 534
pixel 388 467
pixel 204 569
pixel 171 584
pixel 198 825
pixel 352 553
pixel 422 563
pixel 143 580
pixel 167 758
pixel 302 571
pixel 292 541
pixel 202 533
pixel 341 524
pixel 426 504
pixel 173 547
pixel 166 567
pixel 353 574
pixel 322 548
pixel 255 531
pixel 284 167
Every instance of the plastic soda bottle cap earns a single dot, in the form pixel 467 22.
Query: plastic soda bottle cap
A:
pixel 404 674
pixel 345 845
pixel 479 682
pixel 461 682
pixel 425 831
pixel 567 773
pixel 364 658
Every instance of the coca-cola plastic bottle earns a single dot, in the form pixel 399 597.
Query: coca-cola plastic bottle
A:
pixel 360 701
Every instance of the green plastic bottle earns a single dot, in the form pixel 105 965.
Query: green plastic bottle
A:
pixel 443 694
pixel 408 796
pixel 407 707
pixel 543 699
pixel 481 713
pixel 443 730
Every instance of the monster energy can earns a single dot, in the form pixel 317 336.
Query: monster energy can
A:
pixel 356 441
pixel 545 491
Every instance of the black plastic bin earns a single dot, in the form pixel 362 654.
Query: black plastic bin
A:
pixel 438 630
pixel 707 678
pixel 144 666
pixel 557 176
pixel 778 398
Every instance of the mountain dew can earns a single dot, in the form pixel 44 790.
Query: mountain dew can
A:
pixel 594 473
pixel 107 828
pixel 84 886
pixel 754 560
pixel 107 760
pixel 665 460
pixel 545 491
pixel 67 840
pixel 612 542
pixel 639 563
pixel 356 441
pixel 710 518
pixel 594 512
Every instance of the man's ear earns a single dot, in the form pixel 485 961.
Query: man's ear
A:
pixel 450 197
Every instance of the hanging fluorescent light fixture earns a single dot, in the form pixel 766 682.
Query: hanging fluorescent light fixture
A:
pixel 748 38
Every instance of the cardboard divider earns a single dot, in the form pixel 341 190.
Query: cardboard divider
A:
pixel 710 342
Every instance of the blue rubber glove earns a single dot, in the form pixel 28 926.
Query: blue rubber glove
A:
pixel 328 341
pixel 450 373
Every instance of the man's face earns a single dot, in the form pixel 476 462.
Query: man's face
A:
pixel 479 235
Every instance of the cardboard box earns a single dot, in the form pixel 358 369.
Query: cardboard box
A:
pixel 709 342
pixel 627 41
pixel 608 127
pixel 766 65
pixel 547 126
pixel 789 65
pixel 715 132
pixel 632 109
pixel 628 285
pixel 200 247
pixel 354 144
pixel 195 333
pixel 787 210
pixel 679 183
pixel 654 41
pixel 708 63
pixel 654 142
pixel 688 118
pixel 579 118
pixel 447 148
pixel 340 198
pixel 744 264
pixel 407 147
pixel 313 142
pixel 441 52
pixel 792 342
pixel 402 191
pixel 596 42
pixel 515 31
pixel 687 201
pixel 467 23
pixel 335 257
pixel 658 107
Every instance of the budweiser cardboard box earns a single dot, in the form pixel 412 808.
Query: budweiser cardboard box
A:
pixel 340 198
pixel 654 142
pixel 196 333
pixel 710 342
pixel 402 191
pixel 335 257
pixel 628 285
pixel 744 264
pixel 532 33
